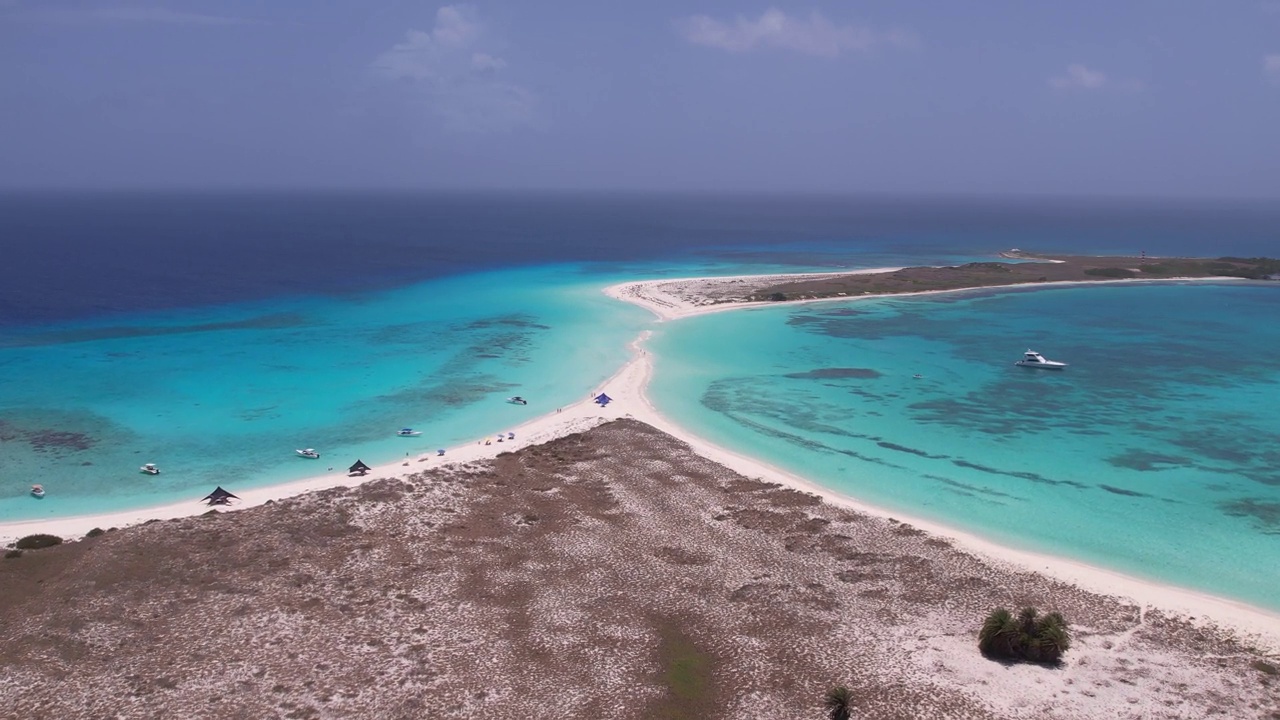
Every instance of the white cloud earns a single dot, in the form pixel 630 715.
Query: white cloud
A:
pixel 456 26
pixel 417 58
pixel 1079 77
pixel 484 61
pixel 1271 66
pixel 453 79
pixel 814 35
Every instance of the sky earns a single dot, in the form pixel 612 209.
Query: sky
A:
pixel 1088 97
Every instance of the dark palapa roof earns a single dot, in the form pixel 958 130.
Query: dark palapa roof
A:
pixel 218 497
pixel 359 467
pixel 602 398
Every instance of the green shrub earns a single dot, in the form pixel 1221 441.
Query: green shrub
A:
pixel 778 297
pixel 839 703
pixel 10 554
pixel 1029 636
pixel 35 542
pixel 994 266
pixel 1111 272
pixel 95 532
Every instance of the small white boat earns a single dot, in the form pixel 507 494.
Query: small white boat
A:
pixel 408 432
pixel 308 453
pixel 1033 359
pixel 37 491
pixel 150 469
pixel 517 400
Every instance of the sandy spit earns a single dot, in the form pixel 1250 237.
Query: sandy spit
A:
pixel 612 573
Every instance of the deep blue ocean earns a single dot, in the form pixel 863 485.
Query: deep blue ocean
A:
pixel 81 256
pixel 215 333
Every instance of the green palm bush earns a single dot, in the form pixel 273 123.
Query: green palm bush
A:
pixel 999 633
pixel 1029 636
pixel 839 703
pixel 1052 638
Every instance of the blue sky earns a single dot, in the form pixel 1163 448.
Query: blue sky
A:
pixel 1160 98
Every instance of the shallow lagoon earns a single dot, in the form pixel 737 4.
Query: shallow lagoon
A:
pixel 1156 453
pixel 231 329
pixel 224 395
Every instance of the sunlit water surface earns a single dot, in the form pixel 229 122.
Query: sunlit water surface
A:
pixel 1156 452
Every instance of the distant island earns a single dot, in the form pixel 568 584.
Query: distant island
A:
pixel 1031 268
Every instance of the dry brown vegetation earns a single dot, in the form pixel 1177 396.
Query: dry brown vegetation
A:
pixel 613 573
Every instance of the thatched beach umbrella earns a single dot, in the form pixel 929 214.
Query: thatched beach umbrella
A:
pixel 219 497
pixel 359 467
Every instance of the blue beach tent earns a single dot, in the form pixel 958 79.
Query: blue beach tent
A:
pixel 603 399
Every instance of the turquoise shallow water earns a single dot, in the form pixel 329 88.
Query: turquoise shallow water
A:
pixel 214 333
pixel 1156 453
pixel 224 395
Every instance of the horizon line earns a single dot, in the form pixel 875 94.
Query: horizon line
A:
pixel 727 193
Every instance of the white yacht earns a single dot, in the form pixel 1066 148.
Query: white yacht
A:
pixel 150 469
pixel 408 432
pixel 308 453
pixel 517 400
pixel 1033 359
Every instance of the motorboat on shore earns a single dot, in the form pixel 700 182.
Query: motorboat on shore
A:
pixel 308 453
pixel 408 432
pixel 517 400
pixel 37 491
pixel 1033 359
pixel 150 469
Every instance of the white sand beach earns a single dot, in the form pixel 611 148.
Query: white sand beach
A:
pixel 675 298
pixel 670 300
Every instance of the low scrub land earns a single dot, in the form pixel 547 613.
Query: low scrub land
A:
pixel 610 574
pixel 1029 269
